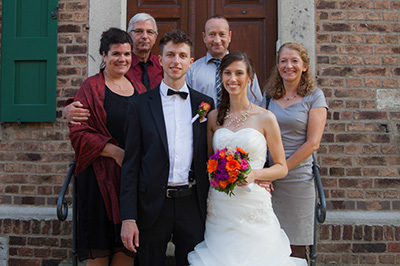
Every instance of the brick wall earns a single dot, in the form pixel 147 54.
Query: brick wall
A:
pixel 359 245
pixel 36 242
pixel 34 156
pixel 358 52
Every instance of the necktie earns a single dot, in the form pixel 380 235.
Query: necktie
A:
pixel 218 79
pixel 145 75
pixel 180 93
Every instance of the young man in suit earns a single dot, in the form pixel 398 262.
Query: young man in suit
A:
pixel 164 183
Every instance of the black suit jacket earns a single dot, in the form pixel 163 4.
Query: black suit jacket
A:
pixel 145 170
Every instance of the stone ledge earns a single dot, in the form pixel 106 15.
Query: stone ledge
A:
pixel 31 212
pixel 332 217
pixel 363 217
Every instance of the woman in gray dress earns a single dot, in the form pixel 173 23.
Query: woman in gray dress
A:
pixel 300 109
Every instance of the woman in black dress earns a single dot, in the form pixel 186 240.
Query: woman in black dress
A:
pixel 99 151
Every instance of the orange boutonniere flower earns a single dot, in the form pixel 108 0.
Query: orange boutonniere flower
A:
pixel 202 112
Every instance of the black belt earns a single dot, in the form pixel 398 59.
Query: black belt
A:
pixel 179 191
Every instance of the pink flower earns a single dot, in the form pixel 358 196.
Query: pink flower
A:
pixel 244 165
pixel 214 183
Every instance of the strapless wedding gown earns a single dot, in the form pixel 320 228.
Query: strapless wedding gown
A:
pixel 242 229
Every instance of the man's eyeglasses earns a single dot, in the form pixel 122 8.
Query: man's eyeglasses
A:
pixel 140 32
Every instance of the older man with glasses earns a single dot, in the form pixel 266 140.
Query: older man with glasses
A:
pixel 145 66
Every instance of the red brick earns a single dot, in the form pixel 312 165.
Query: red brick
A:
pixel 337 71
pixel 389 60
pixel 386 259
pixel 81 17
pixel 76 6
pixel 334 247
pixel 42 252
pixel 394 247
pixel 381 4
pixel 331 259
pixel 370 115
pixel 69 28
pixel 23 262
pixel 368 259
pixel 25 252
pixel 336 149
pixel 372 82
pixel 321 15
pixel 355 183
pixel 352 138
pixel 356 93
pixel 395 5
pixel 388 232
pixel 355 15
pixel 336 161
pixel 384 49
pixel 354 60
pixel 353 149
pixel 349 259
pixel 390 194
pixel 355 194
pixel 387 183
pixel 325 4
pixel 355 4
pixel 43 241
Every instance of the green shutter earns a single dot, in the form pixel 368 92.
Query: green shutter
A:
pixel 28 61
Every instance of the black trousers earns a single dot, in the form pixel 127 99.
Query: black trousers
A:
pixel 180 219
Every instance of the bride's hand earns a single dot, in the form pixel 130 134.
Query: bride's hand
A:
pixel 250 178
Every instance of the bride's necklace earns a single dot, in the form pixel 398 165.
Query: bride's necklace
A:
pixel 237 121
pixel 290 98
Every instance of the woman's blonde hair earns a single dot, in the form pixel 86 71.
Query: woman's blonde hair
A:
pixel 275 88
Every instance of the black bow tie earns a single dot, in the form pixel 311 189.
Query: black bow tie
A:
pixel 183 94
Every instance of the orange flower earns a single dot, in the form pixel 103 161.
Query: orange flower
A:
pixel 232 165
pixel 229 158
pixel 222 154
pixel 205 106
pixel 241 150
pixel 233 173
pixel 232 178
pixel 212 165
pixel 223 183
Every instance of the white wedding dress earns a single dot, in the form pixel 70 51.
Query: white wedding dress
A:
pixel 242 229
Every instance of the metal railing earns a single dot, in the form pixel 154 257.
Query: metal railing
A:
pixel 62 208
pixel 320 208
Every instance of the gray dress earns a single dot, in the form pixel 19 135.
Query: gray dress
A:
pixel 293 197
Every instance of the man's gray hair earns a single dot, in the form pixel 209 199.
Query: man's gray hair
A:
pixel 141 17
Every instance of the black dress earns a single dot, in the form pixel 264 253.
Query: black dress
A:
pixel 98 236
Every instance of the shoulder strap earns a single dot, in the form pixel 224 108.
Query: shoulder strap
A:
pixel 268 100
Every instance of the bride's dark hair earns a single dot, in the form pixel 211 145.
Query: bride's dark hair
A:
pixel 227 61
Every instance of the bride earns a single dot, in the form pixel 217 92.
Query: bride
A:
pixel 242 229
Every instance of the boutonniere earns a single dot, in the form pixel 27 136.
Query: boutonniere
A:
pixel 202 112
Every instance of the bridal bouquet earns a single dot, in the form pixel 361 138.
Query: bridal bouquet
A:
pixel 227 167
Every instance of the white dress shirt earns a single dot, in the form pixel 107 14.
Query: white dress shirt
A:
pixel 201 77
pixel 178 116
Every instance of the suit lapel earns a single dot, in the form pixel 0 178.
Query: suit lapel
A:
pixel 155 106
pixel 195 103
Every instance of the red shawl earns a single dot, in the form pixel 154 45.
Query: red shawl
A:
pixel 89 138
